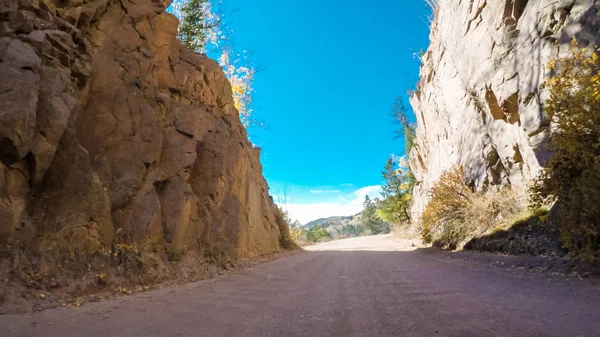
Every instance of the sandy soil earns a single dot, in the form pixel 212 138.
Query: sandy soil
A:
pixel 370 286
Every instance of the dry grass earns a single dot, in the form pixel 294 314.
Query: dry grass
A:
pixel 496 210
pixel 405 231
pixel 455 214
pixel 54 274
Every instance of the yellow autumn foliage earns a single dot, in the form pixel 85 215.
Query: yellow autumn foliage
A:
pixel 572 175
pixel 456 214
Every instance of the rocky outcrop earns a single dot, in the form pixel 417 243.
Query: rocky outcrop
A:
pixel 112 132
pixel 479 103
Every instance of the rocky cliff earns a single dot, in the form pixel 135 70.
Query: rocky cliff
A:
pixel 112 134
pixel 479 102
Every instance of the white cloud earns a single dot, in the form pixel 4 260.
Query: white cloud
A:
pixel 371 191
pixel 346 205
pixel 324 191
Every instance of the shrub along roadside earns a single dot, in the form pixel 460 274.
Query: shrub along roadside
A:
pixel 455 214
pixel 444 218
pixel 572 176
pixel 317 234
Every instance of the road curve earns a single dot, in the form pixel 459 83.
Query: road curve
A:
pixel 372 286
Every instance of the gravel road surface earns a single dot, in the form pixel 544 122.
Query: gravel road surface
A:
pixel 369 286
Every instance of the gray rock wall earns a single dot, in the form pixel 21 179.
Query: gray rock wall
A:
pixel 479 102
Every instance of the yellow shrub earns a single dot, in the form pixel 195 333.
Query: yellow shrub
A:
pixel 445 213
pixel 455 214
pixel 572 175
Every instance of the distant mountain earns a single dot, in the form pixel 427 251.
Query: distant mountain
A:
pixel 338 225
pixel 326 222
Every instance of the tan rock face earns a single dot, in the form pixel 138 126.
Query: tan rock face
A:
pixel 112 132
pixel 480 102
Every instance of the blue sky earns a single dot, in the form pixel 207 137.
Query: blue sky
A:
pixel 331 72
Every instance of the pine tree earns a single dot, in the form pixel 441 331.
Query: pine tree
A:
pixel 194 26
pixel 406 128
pixel 369 218
pixel 353 231
pixel 396 192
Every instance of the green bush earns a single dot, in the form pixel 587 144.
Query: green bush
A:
pixel 353 230
pixel 316 234
pixel 216 255
pixel 128 259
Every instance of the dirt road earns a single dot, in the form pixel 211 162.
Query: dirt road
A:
pixel 371 286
